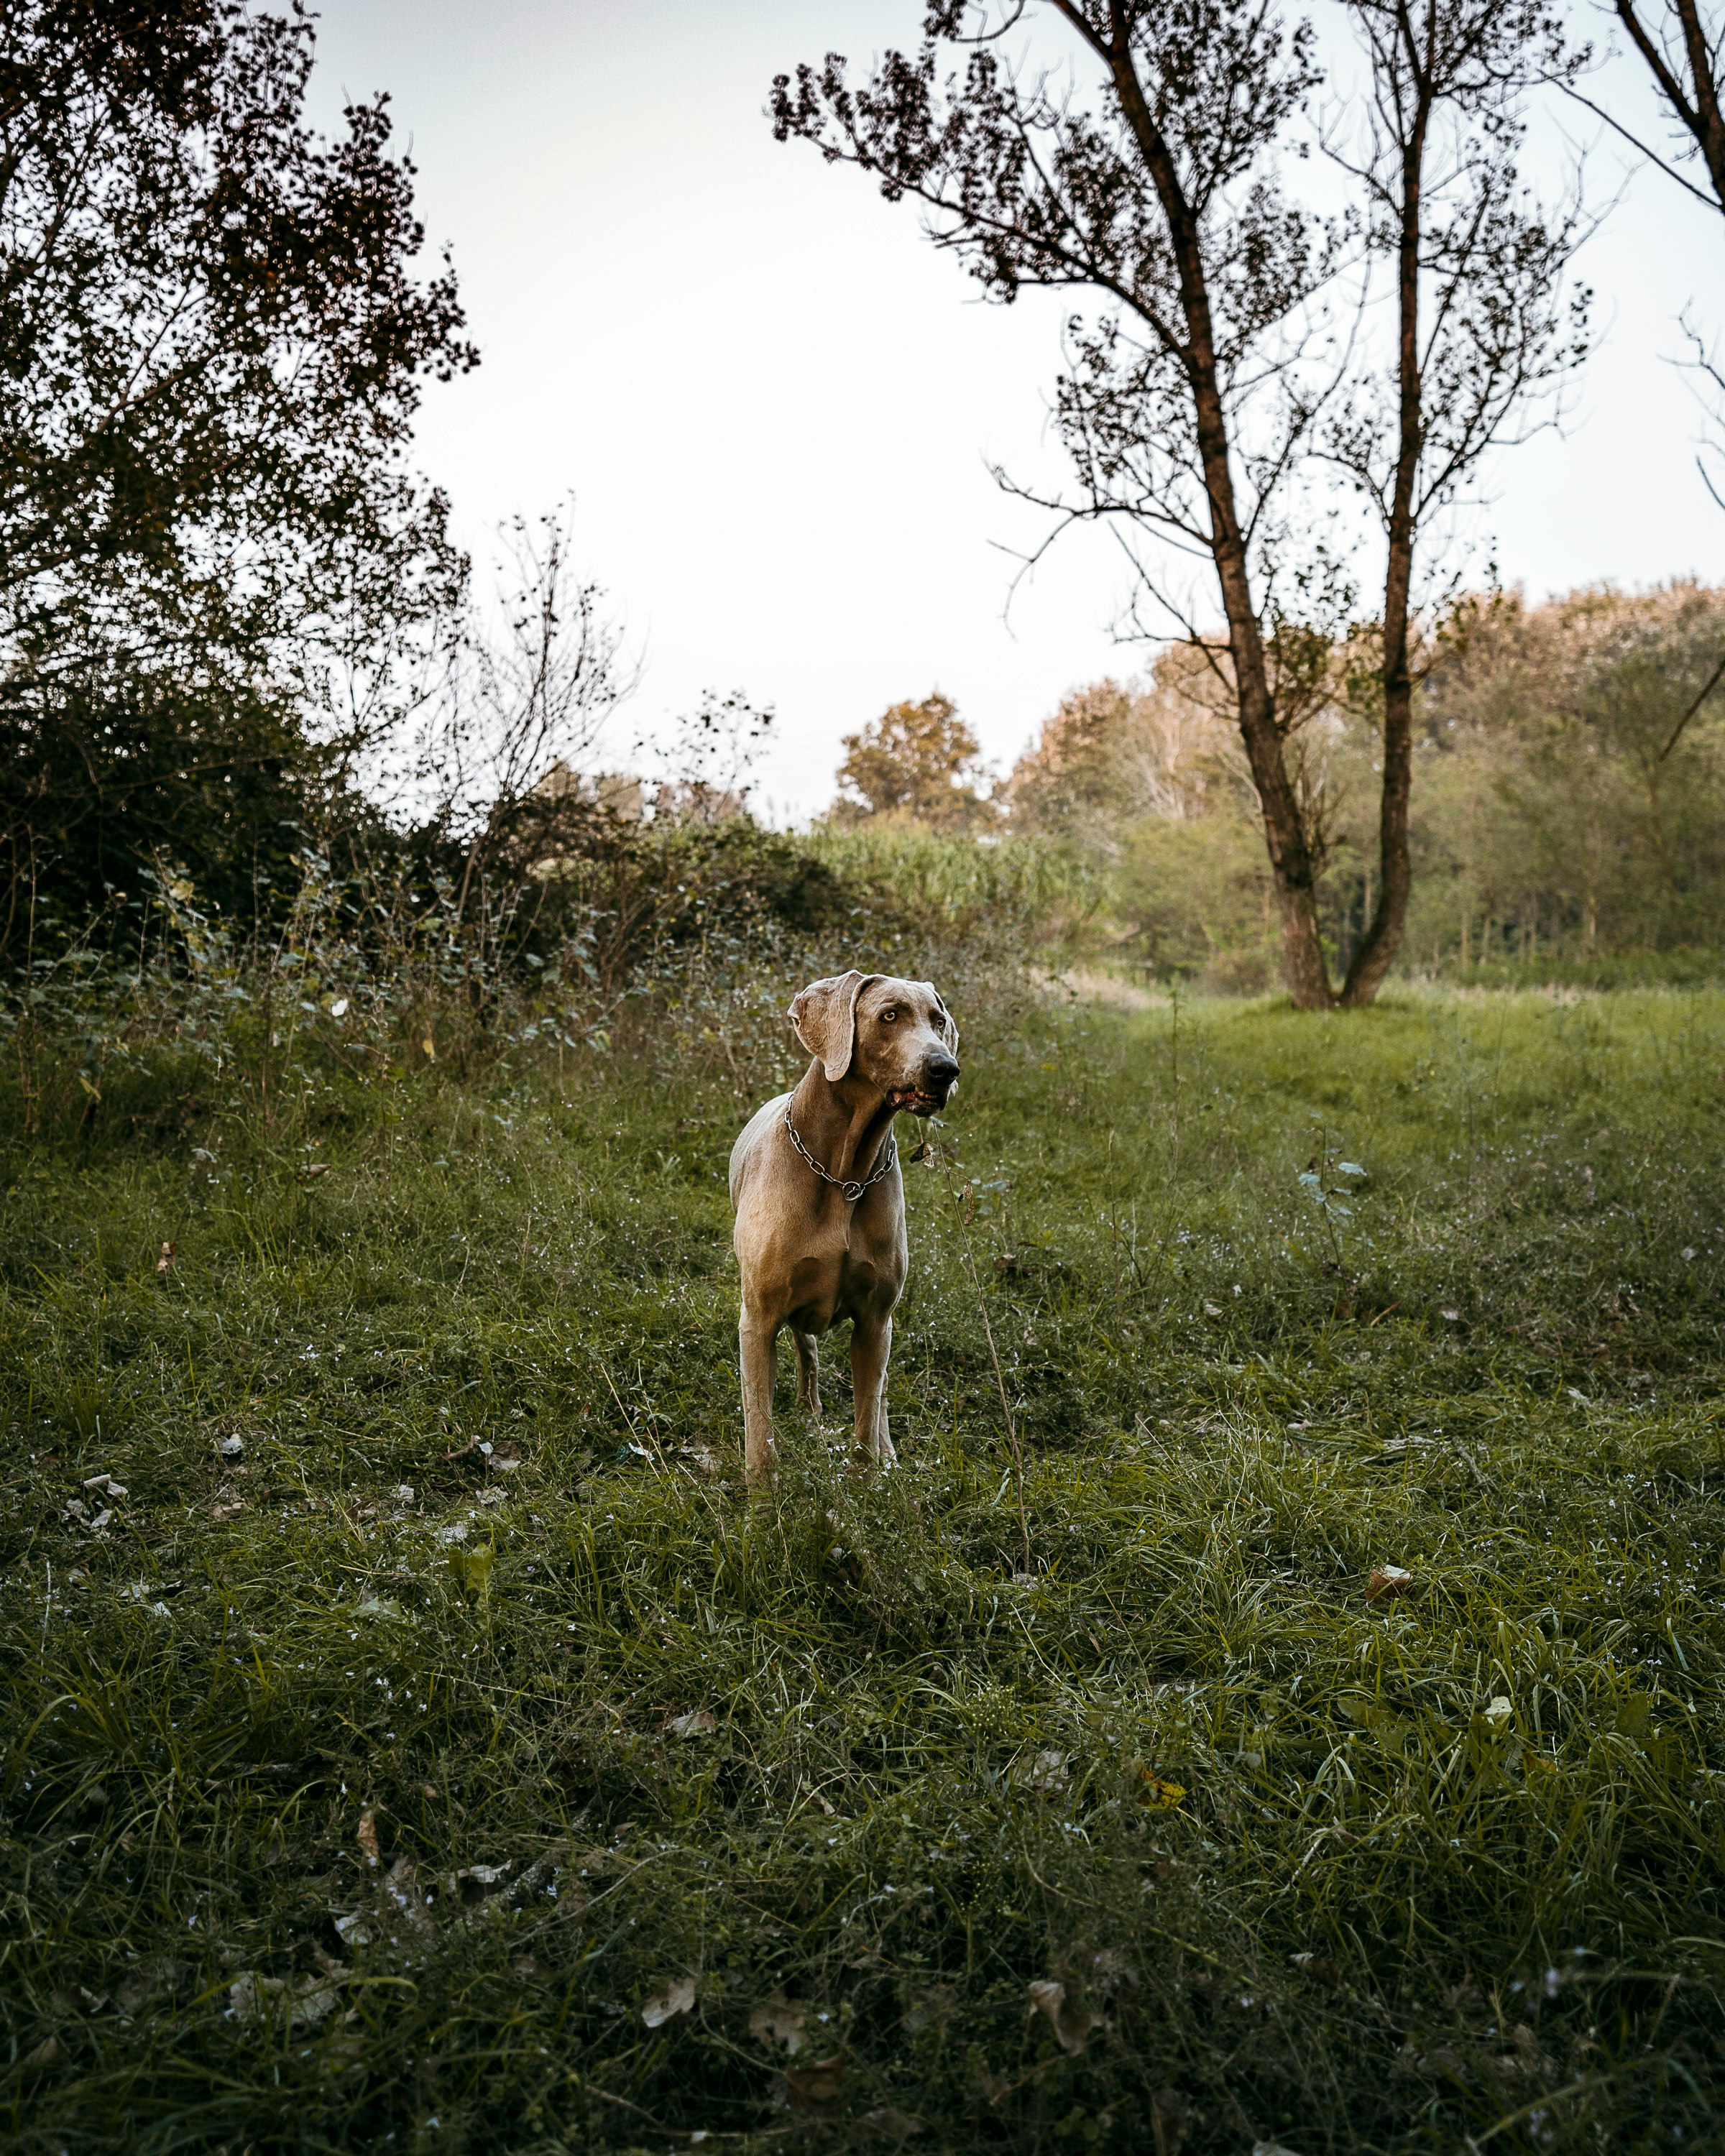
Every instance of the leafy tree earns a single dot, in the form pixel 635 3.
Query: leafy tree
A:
pixel 213 562
pixel 917 763
pixel 1190 391
pixel 1475 270
pixel 1194 390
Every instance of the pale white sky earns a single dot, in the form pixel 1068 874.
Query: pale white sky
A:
pixel 774 403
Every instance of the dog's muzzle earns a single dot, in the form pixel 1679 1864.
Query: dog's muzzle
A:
pixel 939 1077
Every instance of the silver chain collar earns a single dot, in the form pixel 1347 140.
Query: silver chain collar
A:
pixel 849 1191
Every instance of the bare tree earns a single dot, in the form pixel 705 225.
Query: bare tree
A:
pixel 710 759
pixel 1483 332
pixel 1190 392
pixel 525 699
pixel 1683 48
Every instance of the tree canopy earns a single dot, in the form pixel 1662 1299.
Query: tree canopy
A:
pixel 212 349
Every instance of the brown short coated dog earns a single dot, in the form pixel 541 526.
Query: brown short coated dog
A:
pixel 820 1203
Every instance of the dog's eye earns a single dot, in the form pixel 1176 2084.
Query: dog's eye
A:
pixel 888 1017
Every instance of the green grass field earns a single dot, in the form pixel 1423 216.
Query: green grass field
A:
pixel 365 1788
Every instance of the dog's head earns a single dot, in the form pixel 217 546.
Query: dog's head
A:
pixel 897 1035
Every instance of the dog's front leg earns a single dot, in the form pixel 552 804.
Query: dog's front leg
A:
pixel 759 1359
pixel 870 1345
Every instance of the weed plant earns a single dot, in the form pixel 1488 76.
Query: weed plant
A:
pixel 415 1739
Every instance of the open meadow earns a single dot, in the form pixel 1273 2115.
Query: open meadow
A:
pixel 419 1742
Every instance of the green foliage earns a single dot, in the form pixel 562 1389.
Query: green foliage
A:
pixel 359 1781
pixel 212 555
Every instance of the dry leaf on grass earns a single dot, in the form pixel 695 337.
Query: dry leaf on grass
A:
pixel 1071 2025
pixel 1153 1791
pixel 1045 1771
pixel 158 1977
pixel 165 1263
pixel 889 2120
pixel 306 1999
pixel 676 1999
pixel 780 2021
pixel 697 1722
pixel 505 1456
pixel 368 1834
pixel 1387 1582
pixel 819 2086
pixel 476 1883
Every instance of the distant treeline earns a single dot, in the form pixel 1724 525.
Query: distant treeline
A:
pixel 1568 801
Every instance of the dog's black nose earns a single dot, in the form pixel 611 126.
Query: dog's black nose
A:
pixel 939 1072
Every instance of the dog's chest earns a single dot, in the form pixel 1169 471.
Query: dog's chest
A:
pixel 845 1273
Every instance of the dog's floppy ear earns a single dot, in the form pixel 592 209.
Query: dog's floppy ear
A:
pixel 943 1018
pixel 824 1017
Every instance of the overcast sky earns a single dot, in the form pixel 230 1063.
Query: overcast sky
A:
pixel 775 404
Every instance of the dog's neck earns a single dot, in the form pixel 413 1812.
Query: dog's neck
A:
pixel 844 1125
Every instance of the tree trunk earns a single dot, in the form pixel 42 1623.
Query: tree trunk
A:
pixel 1308 974
pixel 1382 939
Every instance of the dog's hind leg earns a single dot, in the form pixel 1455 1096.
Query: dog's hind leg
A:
pixel 755 1342
pixel 807 1373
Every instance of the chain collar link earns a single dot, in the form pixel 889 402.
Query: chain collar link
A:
pixel 849 1191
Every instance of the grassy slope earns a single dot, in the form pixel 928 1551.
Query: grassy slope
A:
pixel 1383 1915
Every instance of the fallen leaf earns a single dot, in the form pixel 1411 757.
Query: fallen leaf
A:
pixel 1154 1792
pixel 157 1978
pixel 106 1483
pixel 900 2124
pixel 1214 1310
pixel 701 1458
pixel 368 1834
pixel 933 2009
pixel 478 1882
pixel 230 1447
pixel 315 1167
pixel 506 1455
pixel 1389 1581
pixel 1070 2025
pixel 354 1931
pixel 456 1532
pixel 676 1999
pixel 531 1970
pixel 403 1888
pixel 306 1999
pixel 49 2052
pixel 472 1568
pixel 1045 1771
pixel 697 1722
pixel 780 2021
pixel 819 2086
pixel 165 1263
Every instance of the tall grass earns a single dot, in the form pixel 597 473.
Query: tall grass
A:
pixel 364 1788
pixel 1041 892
